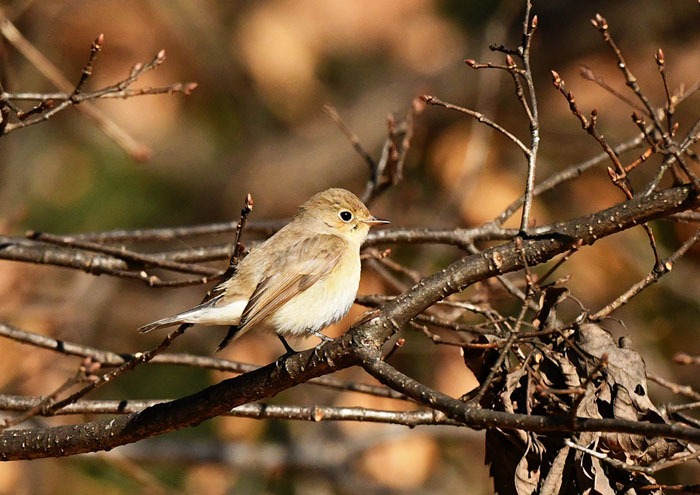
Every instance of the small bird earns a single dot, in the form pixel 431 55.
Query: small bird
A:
pixel 297 282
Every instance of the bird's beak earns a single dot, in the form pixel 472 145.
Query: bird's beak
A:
pixel 375 221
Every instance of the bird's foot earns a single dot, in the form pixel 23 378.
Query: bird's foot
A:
pixel 287 348
pixel 321 336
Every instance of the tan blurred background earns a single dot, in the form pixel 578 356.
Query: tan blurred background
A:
pixel 255 124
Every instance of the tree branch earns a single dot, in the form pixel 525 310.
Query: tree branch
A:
pixel 362 344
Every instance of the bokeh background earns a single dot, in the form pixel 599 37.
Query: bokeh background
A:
pixel 255 124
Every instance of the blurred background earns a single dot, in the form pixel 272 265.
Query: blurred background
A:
pixel 256 124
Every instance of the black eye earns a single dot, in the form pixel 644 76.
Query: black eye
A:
pixel 345 216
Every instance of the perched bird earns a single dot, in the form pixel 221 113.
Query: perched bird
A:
pixel 297 282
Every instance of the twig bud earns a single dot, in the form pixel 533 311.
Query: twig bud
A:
pixel 418 106
pixel 470 62
pixel 533 23
pixel 556 79
pixel 99 41
pixel 660 59
pixel 509 61
pixel 600 23
pixel 189 87
pixel 161 56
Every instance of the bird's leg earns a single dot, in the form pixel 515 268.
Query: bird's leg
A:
pixel 287 347
pixel 318 334
pixel 232 331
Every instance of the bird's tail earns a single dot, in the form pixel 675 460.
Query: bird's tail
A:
pixel 190 316
pixel 165 322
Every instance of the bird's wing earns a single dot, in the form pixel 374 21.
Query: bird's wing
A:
pixel 304 263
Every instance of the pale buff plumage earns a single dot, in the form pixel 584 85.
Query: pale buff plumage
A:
pixel 300 280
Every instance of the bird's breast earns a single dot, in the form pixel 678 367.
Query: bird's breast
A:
pixel 322 304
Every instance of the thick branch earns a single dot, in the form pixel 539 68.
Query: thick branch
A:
pixel 474 416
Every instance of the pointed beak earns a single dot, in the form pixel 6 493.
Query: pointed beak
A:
pixel 375 221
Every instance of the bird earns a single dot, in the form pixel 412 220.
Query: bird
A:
pixel 299 281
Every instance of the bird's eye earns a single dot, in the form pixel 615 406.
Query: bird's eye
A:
pixel 345 216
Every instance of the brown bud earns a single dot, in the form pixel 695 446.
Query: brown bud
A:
pixel 99 40
pixel 470 62
pixel 533 23
pixel 556 79
pixel 426 98
pixel 659 57
pixel 161 56
pixel 600 22
pixel 418 106
pixel 594 113
pixel 509 61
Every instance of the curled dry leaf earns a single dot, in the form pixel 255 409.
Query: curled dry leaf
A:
pixel 580 371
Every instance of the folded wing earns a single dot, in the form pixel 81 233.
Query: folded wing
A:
pixel 301 266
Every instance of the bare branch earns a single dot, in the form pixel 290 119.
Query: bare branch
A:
pixel 431 100
pixel 254 411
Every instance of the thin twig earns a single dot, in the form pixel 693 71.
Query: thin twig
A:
pixel 135 149
pixel 122 253
pixel 619 175
pixel 654 275
pixel 431 100
pixel 529 26
pixel 636 468
pixel 676 388
pixel 352 137
pixel 113 359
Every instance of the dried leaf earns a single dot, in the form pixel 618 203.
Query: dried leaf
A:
pixel 527 472
pixel 552 483
pixel 632 446
pixel 588 408
pixel 601 482
pixel 558 370
pixel 625 366
pixel 526 476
